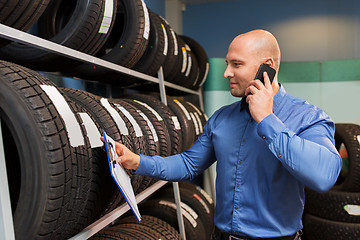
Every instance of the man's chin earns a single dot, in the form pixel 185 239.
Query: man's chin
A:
pixel 235 93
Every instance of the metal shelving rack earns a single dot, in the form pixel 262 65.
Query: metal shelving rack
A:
pixel 6 221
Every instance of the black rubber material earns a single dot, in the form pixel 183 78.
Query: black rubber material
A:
pixel 330 205
pixel 321 229
pixel 160 226
pixel 140 143
pixel 109 195
pixel 175 73
pixel 128 231
pixel 20 15
pixel 82 182
pixel 105 193
pixel 202 60
pixel 347 134
pixel 201 114
pixel 186 123
pixel 172 59
pixel 125 46
pixel 165 209
pixel 196 189
pixel 152 148
pixel 138 232
pixel 75 26
pixel 187 73
pixel 169 118
pixel 154 55
pixel 159 126
pixel 53 175
pixel 195 118
pixel 92 103
pixel 193 200
pixel 146 141
pixel 192 70
pixel 198 115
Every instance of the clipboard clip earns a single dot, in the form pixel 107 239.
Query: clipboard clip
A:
pixel 110 149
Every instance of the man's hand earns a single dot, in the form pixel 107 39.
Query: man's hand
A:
pixel 127 158
pixel 260 98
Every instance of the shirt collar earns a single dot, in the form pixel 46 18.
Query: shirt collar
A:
pixel 243 104
pixel 278 98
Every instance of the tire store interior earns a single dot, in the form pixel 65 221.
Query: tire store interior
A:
pixel 150 74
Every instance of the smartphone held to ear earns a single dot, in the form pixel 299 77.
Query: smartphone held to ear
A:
pixel 265 68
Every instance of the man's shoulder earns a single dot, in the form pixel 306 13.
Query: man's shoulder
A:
pixel 301 107
pixel 227 108
pixel 299 102
pixel 224 110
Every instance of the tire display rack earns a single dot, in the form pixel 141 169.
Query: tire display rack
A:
pixel 6 220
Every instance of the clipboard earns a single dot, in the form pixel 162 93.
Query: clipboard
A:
pixel 121 178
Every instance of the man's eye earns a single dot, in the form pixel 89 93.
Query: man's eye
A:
pixel 237 64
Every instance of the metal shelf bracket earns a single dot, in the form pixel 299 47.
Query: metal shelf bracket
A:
pixel 175 184
pixel 6 219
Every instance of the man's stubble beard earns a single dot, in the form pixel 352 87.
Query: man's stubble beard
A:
pixel 236 93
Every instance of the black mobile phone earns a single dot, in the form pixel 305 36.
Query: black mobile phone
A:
pixel 265 68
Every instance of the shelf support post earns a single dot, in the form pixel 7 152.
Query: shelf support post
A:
pixel 6 219
pixel 162 86
pixel 175 184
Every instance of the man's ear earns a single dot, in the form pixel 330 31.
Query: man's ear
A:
pixel 270 61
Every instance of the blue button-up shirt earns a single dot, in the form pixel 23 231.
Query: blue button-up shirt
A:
pixel 261 168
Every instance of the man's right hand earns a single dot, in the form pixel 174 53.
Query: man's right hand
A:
pixel 127 158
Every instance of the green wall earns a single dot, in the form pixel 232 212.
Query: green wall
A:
pixel 334 86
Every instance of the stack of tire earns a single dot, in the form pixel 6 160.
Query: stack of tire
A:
pixel 197 209
pixel 128 228
pixel 20 16
pixel 335 215
pixel 58 171
pixel 196 205
pixel 123 32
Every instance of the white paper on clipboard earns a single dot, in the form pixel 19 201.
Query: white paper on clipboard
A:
pixel 121 178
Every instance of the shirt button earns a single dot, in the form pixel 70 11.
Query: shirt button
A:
pixel 236 207
pixel 263 137
pixel 251 120
pixel 243 139
pixel 279 155
pixel 239 162
pixel 237 185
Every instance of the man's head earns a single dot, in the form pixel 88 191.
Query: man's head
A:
pixel 245 54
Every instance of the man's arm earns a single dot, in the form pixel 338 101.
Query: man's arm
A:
pixel 173 168
pixel 310 156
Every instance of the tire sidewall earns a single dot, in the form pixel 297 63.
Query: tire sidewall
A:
pixel 31 149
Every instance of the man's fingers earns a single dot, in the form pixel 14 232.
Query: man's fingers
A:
pixel 120 159
pixel 253 87
pixel 267 82
pixel 120 149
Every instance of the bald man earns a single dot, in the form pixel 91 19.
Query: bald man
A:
pixel 268 147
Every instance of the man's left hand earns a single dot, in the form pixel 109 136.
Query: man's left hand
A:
pixel 260 98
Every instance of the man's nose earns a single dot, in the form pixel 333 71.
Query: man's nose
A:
pixel 228 73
